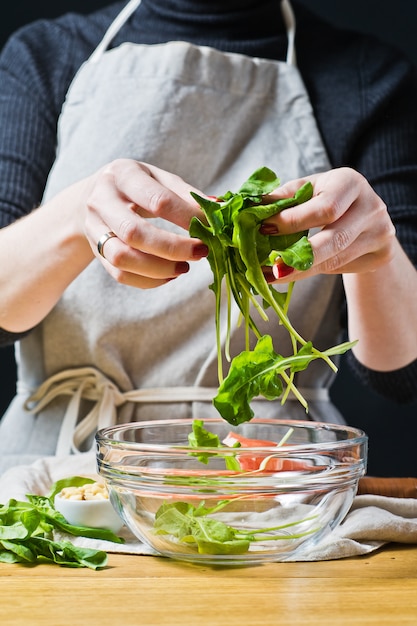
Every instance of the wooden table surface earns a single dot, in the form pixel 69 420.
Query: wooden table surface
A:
pixel 380 588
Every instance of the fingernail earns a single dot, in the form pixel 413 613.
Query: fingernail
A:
pixel 281 270
pixel 268 229
pixel 181 267
pixel 200 251
pixel 268 274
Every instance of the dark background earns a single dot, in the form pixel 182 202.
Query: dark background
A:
pixel 392 429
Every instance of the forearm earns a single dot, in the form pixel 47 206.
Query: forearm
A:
pixel 40 255
pixel 382 313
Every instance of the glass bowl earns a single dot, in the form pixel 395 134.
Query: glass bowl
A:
pixel 267 490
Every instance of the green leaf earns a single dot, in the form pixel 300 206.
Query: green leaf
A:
pixel 173 519
pixel 64 553
pixel 261 182
pixel 235 546
pixel 252 373
pixel 202 438
pixel 71 481
pixel 193 526
pixel 237 253
pixel 257 372
pixel 18 552
pixel 213 213
pixel 26 533
pixel 51 515
pixel 9 556
pixel 298 255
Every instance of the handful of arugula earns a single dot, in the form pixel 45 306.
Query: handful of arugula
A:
pixel 237 253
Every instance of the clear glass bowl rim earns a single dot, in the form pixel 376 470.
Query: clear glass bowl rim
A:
pixel 105 436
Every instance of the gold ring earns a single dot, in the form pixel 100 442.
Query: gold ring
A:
pixel 102 241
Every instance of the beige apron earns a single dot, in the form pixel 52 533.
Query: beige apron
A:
pixel 113 353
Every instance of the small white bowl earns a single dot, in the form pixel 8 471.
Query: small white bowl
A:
pixel 93 513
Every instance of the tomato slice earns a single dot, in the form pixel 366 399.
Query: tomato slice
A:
pixel 253 462
pixel 233 438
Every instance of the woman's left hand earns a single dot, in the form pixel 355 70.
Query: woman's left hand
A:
pixel 356 233
pixel 356 238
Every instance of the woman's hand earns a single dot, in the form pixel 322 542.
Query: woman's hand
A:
pixel 124 196
pixel 59 238
pixel 356 233
pixel 356 238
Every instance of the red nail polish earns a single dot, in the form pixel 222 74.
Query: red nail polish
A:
pixel 268 229
pixel 281 270
pixel 181 267
pixel 200 251
pixel 268 274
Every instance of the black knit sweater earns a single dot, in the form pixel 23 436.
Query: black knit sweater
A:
pixel 363 92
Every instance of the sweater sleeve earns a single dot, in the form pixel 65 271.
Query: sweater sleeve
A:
pixel 37 65
pixel 384 149
pixel 399 385
pixel 32 90
pixel 364 94
pixel 365 98
pixel 33 84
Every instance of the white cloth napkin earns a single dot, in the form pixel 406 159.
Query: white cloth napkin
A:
pixel 371 522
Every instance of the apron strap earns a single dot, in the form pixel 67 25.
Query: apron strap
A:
pixel 88 383
pixel 114 28
pixel 132 5
pixel 289 19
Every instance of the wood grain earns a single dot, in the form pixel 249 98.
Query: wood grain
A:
pixel 136 590
pixel 392 487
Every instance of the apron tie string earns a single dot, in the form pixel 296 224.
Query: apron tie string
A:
pixel 88 383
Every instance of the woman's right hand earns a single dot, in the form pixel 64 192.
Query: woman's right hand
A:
pixel 42 253
pixel 124 196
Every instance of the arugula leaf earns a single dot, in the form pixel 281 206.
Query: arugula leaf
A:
pixel 191 525
pixel 252 373
pixel 202 438
pixel 237 253
pixel 218 265
pixel 261 182
pixel 297 255
pixel 58 521
pixel 25 538
pixel 71 481
pixel 256 372
pixel 26 532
